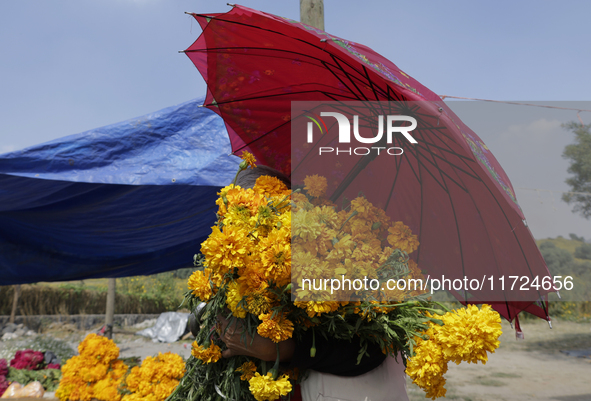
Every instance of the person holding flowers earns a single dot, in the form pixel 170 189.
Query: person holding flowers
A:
pixel 261 331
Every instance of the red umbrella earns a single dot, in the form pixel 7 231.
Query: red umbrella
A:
pixel 448 187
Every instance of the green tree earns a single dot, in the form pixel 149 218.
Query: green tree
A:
pixel 583 252
pixel 559 261
pixel 579 155
pixel 575 237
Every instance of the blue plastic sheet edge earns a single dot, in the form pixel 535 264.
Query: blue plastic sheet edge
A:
pixel 132 198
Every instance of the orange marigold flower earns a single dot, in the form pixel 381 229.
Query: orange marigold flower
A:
pixel 200 285
pixel 226 249
pixel 278 328
pixel 270 186
pixel 248 370
pixel 315 185
pixel 249 159
pixel 402 237
pixel 208 355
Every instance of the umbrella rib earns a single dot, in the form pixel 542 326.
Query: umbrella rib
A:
pixel 218 19
pixel 455 166
pixel 494 255
pixel 506 219
pixel 396 96
pixel 444 186
pixel 307 42
pixel 398 163
pixel 370 82
pixel 455 219
pixel 339 67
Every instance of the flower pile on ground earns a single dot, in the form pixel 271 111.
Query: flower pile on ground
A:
pixel 466 335
pixel 29 366
pixel 28 359
pixel 95 373
pixel 155 379
pixel 3 372
pixel 98 374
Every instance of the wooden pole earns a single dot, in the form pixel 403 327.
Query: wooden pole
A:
pixel 312 13
pixel 110 308
pixel 17 293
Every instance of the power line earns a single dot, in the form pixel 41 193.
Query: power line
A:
pixel 443 97
pixel 554 191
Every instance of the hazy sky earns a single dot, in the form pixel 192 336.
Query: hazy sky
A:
pixel 70 66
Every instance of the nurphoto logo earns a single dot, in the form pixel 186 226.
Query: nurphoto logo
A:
pixel 344 136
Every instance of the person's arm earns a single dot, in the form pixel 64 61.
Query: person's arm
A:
pixel 338 357
pixel 259 347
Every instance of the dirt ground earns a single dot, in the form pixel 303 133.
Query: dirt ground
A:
pixel 535 368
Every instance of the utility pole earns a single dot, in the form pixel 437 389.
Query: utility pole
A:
pixel 17 293
pixel 110 308
pixel 312 13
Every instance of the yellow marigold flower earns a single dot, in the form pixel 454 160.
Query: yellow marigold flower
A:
pixel 278 328
pixel 107 390
pixel 248 370
pixel 200 285
pixel 275 253
pixel 156 378
pixel 226 249
pixel 208 355
pixel 364 207
pixel 118 369
pixel 92 374
pixel 401 237
pixel 264 388
pixel 98 347
pixel 427 367
pixel 270 186
pixel 249 159
pixel 222 200
pixel 315 185
pixel 233 195
pixel 306 225
pixel 233 298
pixel 240 216
pixel 317 308
pixel 469 333
pixel 266 218
pixel 258 302
pixel 299 199
pixel 73 388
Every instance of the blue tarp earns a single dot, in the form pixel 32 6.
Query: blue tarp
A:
pixel 137 197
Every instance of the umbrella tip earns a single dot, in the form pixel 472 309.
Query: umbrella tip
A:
pixel 231 4
pixel 549 323
pixel 181 51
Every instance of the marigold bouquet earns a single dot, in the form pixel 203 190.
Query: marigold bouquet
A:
pixel 245 273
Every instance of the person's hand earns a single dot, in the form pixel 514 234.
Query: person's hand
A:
pixel 239 342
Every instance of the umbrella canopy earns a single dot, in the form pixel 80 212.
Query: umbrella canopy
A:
pixel 447 187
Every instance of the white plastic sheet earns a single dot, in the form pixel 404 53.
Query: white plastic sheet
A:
pixel 169 327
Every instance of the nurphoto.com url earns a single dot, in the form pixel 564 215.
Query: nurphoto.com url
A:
pixel 431 284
